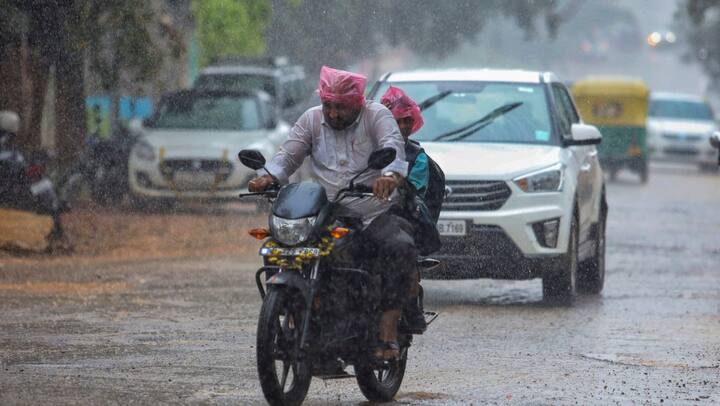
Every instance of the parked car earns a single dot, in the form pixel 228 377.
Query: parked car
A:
pixel 287 84
pixel 187 148
pixel 679 129
pixel 525 190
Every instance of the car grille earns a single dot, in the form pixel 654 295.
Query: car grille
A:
pixel 682 137
pixel 475 195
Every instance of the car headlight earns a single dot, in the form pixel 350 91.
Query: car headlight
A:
pixel 545 180
pixel 143 150
pixel 291 232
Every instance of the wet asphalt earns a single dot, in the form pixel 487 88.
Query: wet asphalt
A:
pixel 182 331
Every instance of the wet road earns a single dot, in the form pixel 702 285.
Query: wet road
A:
pixel 183 331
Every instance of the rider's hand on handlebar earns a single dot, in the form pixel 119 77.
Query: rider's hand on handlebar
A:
pixel 384 186
pixel 261 184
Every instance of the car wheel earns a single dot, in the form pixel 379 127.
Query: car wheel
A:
pixel 559 284
pixel 644 172
pixel 591 277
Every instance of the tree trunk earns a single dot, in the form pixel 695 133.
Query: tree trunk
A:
pixel 10 76
pixel 70 105
pixel 38 74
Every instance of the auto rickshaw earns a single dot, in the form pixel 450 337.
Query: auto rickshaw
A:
pixel 618 106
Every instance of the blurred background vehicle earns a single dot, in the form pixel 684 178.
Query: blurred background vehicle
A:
pixel 525 190
pixel 679 127
pixel 187 149
pixel 101 170
pixel 618 107
pixel 24 184
pixel 286 83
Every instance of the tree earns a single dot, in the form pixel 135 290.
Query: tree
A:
pixel 227 28
pixel 61 35
pixel 338 33
pixel 699 22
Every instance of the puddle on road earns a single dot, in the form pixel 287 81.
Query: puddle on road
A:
pixel 65 288
pixel 420 396
pixel 639 360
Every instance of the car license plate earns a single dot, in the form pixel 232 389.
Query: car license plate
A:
pixel 290 252
pixel 194 180
pixel 452 227
pixel 40 187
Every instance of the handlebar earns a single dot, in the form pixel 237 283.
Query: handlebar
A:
pixel 270 192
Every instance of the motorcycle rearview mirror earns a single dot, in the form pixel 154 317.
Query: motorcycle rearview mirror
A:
pixel 251 158
pixel 715 139
pixel 381 158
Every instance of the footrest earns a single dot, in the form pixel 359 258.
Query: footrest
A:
pixel 430 317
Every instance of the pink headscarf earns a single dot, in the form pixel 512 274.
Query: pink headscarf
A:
pixel 339 86
pixel 401 105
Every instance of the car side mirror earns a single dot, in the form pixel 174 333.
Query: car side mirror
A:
pixel 381 158
pixel 583 134
pixel 251 158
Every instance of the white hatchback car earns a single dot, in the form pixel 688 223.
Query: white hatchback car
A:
pixel 188 148
pixel 679 128
pixel 525 190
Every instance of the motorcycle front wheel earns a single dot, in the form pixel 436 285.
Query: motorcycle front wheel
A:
pixel 381 383
pixel 284 376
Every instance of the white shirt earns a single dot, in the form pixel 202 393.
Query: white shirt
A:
pixel 338 155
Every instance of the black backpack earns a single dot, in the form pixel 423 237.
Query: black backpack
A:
pixel 435 193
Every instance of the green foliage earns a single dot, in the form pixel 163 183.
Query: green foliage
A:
pixel 699 22
pixel 336 32
pixel 230 27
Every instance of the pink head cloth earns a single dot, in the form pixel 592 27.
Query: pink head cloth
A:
pixel 339 86
pixel 401 105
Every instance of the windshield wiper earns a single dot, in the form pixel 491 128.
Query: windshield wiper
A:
pixel 478 125
pixel 430 101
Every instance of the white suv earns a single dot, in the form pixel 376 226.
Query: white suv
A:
pixel 525 190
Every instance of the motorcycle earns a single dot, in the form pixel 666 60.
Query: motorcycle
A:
pixel 102 168
pixel 25 186
pixel 320 312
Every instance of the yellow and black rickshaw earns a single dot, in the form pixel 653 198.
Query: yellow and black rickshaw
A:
pixel 618 106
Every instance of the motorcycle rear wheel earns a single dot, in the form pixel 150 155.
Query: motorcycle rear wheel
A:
pixel 378 384
pixel 278 340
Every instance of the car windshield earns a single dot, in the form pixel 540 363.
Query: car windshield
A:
pixel 520 113
pixel 237 82
pixel 212 112
pixel 688 110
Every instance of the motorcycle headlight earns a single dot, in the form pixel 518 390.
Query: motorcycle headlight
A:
pixel 144 151
pixel 545 180
pixel 291 232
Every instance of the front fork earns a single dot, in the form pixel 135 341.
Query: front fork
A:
pixel 304 343
pixel 308 307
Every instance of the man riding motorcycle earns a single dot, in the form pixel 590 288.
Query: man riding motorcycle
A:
pixel 339 136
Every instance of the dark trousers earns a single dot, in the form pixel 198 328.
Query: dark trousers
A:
pixel 389 246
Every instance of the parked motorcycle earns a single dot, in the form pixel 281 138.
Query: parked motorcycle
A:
pixel 24 185
pixel 102 169
pixel 320 312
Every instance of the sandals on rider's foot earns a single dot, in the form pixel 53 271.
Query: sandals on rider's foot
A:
pixel 387 351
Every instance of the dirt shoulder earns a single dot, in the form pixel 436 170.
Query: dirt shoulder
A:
pixel 97 234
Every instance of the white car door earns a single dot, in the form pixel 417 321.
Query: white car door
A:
pixel 585 157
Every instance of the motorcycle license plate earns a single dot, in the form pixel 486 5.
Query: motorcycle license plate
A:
pixel 41 187
pixel 290 252
pixel 456 228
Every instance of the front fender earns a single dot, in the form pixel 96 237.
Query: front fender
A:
pixel 293 279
